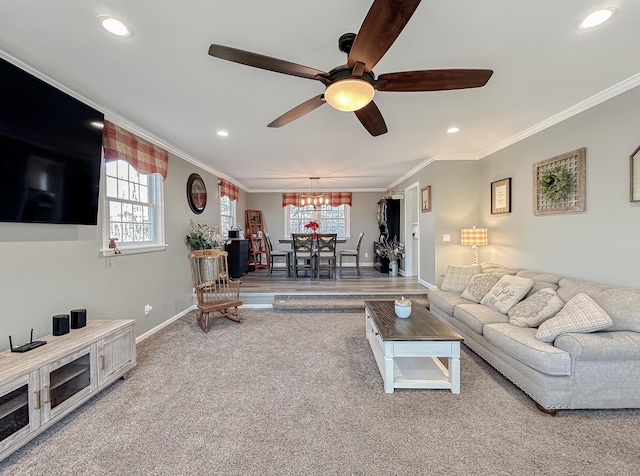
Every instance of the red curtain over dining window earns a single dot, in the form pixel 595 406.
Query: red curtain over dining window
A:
pixel 142 155
pixel 229 190
pixel 336 198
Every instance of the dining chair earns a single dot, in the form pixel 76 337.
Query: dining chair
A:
pixel 303 254
pixel 326 253
pixel 352 253
pixel 278 257
pixel 217 294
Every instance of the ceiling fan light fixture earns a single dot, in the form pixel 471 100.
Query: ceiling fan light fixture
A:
pixel 349 94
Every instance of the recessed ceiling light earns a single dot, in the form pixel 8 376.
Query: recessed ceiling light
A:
pixel 453 130
pixel 597 18
pixel 115 26
pixel 222 133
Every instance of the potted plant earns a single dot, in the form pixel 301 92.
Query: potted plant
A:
pixel 392 250
pixel 313 225
pixel 204 237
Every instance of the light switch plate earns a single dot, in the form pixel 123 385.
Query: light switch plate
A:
pixel 446 237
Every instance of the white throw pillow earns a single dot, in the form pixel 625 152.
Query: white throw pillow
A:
pixel 457 277
pixel 507 293
pixel 579 314
pixel 479 286
pixel 536 309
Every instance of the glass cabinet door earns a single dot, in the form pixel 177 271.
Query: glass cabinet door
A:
pixel 68 381
pixel 15 416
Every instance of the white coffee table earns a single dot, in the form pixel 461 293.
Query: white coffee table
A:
pixel 409 351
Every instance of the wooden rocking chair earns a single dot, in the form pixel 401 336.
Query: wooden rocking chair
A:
pixel 215 290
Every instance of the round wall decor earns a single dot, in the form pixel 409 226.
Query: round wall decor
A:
pixel 196 193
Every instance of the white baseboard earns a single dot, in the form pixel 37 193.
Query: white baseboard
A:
pixel 426 284
pixel 164 324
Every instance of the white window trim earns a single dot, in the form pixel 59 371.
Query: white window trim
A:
pixel 158 245
pixel 347 221
pixel 234 217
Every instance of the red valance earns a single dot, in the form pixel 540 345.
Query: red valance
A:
pixel 142 155
pixel 229 190
pixel 336 198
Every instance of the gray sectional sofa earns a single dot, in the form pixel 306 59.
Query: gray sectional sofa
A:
pixel 575 370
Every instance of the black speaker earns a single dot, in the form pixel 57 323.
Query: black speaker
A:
pixel 60 324
pixel 78 318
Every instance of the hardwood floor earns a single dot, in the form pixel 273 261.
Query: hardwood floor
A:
pixel 371 282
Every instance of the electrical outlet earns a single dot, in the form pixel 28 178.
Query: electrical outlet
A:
pixel 147 309
pixel 366 255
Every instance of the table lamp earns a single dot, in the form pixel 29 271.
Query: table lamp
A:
pixel 473 237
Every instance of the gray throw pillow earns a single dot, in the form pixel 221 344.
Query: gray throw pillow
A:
pixel 536 309
pixel 580 314
pixel 507 293
pixel 479 286
pixel 457 277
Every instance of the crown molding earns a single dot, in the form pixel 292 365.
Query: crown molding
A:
pixel 582 106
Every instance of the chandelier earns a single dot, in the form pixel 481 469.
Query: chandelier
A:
pixel 314 197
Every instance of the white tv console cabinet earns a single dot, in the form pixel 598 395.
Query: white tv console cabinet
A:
pixel 39 387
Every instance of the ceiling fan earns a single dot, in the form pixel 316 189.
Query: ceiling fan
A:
pixel 351 87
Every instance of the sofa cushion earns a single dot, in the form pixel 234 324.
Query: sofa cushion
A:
pixel 521 344
pixel 602 346
pixel 580 314
pixel 457 277
pixel 476 316
pixel 491 267
pixel 570 287
pixel 535 309
pixel 540 280
pixel 444 300
pixel 507 292
pixel 623 307
pixel 480 285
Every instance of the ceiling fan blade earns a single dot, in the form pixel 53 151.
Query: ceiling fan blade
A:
pixel 298 111
pixel 371 118
pixel 380 28
pixel 434 80
pixel 264 62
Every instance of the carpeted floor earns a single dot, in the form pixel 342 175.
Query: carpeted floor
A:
pixel 300 394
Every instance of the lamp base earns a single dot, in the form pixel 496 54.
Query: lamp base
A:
pixel 474 254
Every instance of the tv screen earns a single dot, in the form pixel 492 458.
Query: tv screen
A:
pixel 50 152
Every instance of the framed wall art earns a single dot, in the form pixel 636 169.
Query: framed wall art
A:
pixel 425 198
pixel 501 196
pixel 196 193
pixel 559 183
pixel 634 174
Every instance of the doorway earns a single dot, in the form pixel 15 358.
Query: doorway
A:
pixel 412 230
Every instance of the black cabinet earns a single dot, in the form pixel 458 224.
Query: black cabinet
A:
pixel 238 258
pixel 379 262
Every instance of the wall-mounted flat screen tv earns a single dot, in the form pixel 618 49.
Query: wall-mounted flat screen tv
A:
pixel 50 152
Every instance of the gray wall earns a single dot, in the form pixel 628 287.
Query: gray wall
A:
pixel 51 269
pixel 599 244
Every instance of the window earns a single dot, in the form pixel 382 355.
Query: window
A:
pixel 133 207
pixel 227 214
pixel 332 219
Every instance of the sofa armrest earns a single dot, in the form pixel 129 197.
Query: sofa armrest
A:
pixel 601 346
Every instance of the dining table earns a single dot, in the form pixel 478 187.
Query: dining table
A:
pixel 290 241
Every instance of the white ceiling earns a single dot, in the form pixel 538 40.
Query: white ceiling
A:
pixel 164 85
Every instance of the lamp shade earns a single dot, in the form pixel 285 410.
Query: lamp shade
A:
pixel 473 236
pixel 349 94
